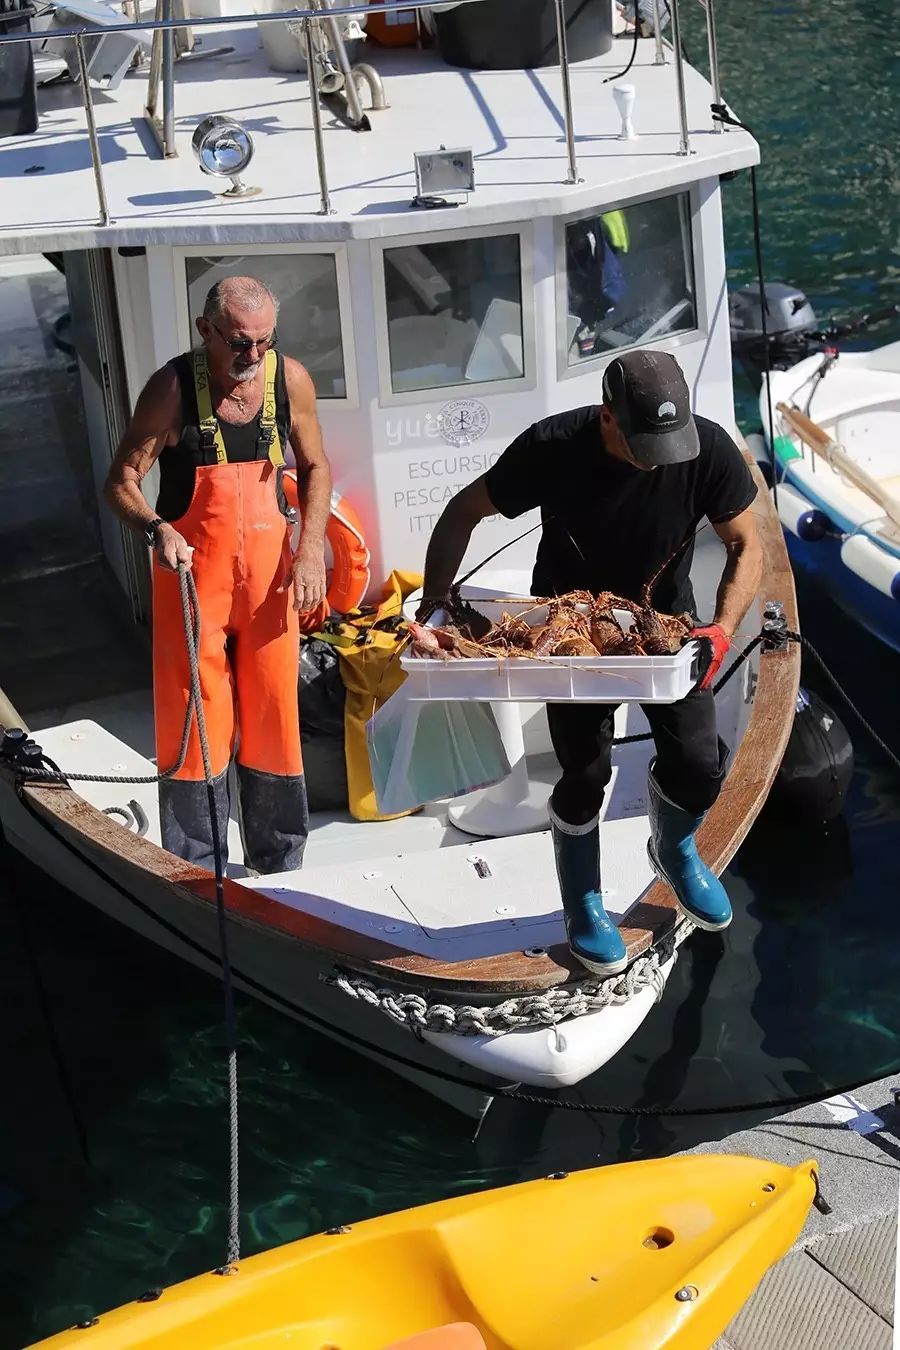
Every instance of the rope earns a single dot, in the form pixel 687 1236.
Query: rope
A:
pixel 191 612
pixel 656 1112
pixel 190 609
pixel 191 616
pixel 417 1012
pixel 839 688
pixel 406 1061
pixel 720 683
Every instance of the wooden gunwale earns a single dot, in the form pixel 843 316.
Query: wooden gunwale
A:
pixel 140 866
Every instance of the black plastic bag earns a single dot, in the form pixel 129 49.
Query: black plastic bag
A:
pixel 321 693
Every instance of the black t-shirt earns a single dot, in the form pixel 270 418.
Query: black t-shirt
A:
pixel 608 526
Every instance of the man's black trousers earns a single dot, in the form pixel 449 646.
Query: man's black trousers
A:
pixel 690 757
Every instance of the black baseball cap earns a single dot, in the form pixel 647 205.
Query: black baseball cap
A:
pixel 649 396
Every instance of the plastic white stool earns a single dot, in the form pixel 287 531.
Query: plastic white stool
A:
pixel 515 805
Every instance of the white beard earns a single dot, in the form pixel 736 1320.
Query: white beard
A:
pixel 241 374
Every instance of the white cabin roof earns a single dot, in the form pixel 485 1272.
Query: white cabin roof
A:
pixel 512 120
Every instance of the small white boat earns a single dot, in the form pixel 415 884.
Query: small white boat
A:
pixel 433 310
pixel 842 524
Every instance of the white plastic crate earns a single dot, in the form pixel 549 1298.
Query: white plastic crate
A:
pixel 552 679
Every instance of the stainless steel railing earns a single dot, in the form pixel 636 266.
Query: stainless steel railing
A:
pixel 316 13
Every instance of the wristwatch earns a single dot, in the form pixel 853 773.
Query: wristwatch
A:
pixel 150 530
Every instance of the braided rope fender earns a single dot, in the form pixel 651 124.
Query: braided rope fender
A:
pixel 420 1013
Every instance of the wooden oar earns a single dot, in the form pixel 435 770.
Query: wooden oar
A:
pixel 834 454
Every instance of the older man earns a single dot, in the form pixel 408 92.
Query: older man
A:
pixel 218 420
pixel 622 487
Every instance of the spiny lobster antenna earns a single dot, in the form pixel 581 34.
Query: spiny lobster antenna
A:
pixel 648 589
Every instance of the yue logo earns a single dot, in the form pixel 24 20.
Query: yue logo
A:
pixel 667 410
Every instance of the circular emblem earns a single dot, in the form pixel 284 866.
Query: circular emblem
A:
pixel 463 421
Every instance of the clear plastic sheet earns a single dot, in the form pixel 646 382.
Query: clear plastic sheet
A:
pixel 425 752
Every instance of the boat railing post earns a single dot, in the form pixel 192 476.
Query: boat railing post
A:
pixel 660 59
pixel 168 83
pixel 567 91
pixel 162 69
pixel 685 146
pixel 350 90
pixel 312 77
pixel 96 162
pixel 154 72
pixel 710 7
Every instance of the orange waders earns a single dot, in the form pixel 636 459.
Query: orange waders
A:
pixel 248 655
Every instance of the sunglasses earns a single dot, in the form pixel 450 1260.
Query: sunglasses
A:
pixel 246 344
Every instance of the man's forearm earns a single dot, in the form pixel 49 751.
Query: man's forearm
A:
pixel 129 503
pixel 739 584
pixel 446 550
pixel 315 492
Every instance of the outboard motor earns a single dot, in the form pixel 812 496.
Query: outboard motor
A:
pixel 791 325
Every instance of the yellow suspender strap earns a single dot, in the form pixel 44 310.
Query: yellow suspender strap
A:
pixel 267 424
pixel 210 431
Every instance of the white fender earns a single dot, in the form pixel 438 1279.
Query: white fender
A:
pixel 798 515
pixel 872 564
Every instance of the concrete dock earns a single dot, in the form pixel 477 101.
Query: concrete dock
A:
pixel 836 1289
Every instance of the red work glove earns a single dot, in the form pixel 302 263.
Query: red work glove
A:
pixel 714 644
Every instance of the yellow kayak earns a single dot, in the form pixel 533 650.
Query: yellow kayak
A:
pixel 637 1256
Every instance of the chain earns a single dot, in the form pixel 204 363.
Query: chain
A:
pixel 421 1013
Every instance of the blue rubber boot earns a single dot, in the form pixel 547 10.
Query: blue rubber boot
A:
pixel 674 857
pixel 593 938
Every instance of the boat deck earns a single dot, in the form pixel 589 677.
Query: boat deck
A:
pixel 836 1289
pixel 512 120
pixel 377 877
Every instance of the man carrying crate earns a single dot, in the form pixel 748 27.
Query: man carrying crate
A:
pixel 622 489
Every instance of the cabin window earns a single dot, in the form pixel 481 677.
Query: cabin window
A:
pixel 630 277
pixel 309 319
pixel 454 312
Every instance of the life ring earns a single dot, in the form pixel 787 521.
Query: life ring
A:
pixel 348 575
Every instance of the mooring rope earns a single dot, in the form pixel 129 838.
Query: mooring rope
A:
pixel 191 613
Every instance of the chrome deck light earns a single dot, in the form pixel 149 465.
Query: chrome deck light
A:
pixel 224 149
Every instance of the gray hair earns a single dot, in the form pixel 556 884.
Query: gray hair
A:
pixel 239 292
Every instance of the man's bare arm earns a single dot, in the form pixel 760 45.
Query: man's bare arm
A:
pixel 313 487
pixel 154 422
pixel 743 570
pixel 450 539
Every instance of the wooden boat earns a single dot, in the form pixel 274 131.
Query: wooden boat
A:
pixel 394 926
pixel 841 513
pixel 653 1255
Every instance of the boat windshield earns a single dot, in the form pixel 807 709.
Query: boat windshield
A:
pixel 630 277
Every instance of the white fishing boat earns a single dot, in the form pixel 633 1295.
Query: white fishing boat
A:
pixel 435 296
pixel 839 480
